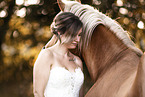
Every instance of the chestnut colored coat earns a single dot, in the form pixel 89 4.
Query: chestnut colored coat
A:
pixel 115 65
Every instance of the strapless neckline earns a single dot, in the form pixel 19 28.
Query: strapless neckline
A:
pixel 74 71
pixel 64 83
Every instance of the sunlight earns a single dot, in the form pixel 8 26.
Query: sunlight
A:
pixel 126 21
pixel 2 4
pixel 19 2
pixel 27 2
pixel 140 25
pixel 21 12
pixel 8 50
pixel 96 2
pixel 143 15
pixel 141 1
pixel 3 13
pixel 119 3
pixel 15 34
pixel 31 2
pixel 123 11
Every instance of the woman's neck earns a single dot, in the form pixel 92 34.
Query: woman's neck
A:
pixel 60 49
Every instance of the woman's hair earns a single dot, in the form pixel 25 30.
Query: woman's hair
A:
pixel 66 23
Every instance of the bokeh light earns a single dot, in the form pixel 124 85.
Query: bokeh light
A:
pixel 19 2
pixel 31 2
pixel 96 2
pixel 27 2
pixel 140 25
pixel 123 11
pixel 143 15
pixel 24 26
pixel 119 3
pixel 2 4
pixel 3 13
pixel 126 21
pixel 21 13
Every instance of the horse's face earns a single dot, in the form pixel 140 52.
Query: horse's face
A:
pixel 99 45
pixel 109 54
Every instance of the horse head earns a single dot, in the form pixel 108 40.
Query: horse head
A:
pixel 110 55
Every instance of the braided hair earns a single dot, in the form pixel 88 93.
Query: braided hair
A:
pixel 66 23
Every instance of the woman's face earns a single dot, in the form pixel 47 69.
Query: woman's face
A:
pixel 75 41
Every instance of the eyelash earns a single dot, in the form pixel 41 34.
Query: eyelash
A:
pixel 80 34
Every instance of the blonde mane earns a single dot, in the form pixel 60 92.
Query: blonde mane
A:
pixel 92 17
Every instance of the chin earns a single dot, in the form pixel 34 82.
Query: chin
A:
pixel 72 47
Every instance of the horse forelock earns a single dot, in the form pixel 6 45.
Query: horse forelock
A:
pixel 91 18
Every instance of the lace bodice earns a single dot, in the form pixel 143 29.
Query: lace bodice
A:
pixel 63 83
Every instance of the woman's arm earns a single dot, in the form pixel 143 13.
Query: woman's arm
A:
pixel 52 41
pixel 41 72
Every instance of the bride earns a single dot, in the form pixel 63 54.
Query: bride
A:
pixel 57 72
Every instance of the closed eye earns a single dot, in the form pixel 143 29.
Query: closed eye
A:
pixel 80 34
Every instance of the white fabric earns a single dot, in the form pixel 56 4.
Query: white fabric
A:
pixel 63 83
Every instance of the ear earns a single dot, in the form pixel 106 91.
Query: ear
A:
pixel 61 5
pixel 78 1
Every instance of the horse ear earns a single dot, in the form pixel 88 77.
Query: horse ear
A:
pixel 61 5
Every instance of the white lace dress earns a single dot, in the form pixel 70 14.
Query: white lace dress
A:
pixel 63 83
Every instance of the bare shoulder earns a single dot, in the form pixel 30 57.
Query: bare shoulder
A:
pixel 79 62
pixel 46 53
pixel 45 57
pixel 41 70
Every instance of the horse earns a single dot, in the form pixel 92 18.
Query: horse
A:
pixel 115 64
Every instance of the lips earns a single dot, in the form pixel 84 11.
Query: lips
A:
pixel 74 43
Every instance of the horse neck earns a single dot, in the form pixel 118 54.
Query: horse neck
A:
pixel 104 51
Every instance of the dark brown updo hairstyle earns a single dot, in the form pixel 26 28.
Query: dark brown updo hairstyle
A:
pixel 66 23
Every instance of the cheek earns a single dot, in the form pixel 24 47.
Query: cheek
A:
pixel 78 38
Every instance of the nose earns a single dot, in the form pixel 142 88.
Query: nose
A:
pixel 78 38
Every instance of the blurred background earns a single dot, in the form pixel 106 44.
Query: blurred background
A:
pixel 24 30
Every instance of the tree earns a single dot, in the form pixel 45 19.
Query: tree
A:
pixel 24 30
